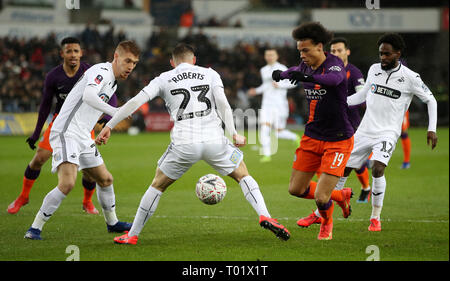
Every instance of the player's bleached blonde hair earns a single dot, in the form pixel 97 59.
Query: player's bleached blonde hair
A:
pixel 129 46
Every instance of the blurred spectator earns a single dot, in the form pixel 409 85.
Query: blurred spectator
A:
pixel 29 61
pixel 129 4
pixel 187 18
pixel 24 64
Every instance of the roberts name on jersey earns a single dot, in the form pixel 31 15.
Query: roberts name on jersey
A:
pixel 189 102
pixel 188 75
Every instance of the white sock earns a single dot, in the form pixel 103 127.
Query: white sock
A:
pixel 286 134
pixel 264 139
pixel 107 200
pixel 251 191
pixel 50 204
pixel 378 191
pixel 317 213
pixel 147 207
pixel 341 183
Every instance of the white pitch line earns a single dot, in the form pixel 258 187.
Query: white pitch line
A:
pixel 287 218
pixel 279 218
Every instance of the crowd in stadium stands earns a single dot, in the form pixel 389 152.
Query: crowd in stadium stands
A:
pixel 24 64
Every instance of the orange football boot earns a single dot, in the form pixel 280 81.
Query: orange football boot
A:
pixel 309 220
pixel 89 208
pixel 375 225
pixel 15 206
pixel 326 231
pixel 345 204
pixel 125 239
pixel 273 225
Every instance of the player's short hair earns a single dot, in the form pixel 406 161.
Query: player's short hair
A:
pixel 70 40
pixel 314 31
pixel 394 39
pixel 336 40
pixel 129 46
pixel 182 49
pixel 271 49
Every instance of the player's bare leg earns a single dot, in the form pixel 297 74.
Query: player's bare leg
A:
pixel 299 183
pixel 147 207
pixel 325 205
pixel 339 194
pixel 40 158
pixel 323 192
pixel 253 194
pixel 161 181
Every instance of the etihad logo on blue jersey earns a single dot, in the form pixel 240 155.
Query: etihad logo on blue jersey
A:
pixel 315 94
pixel 385 91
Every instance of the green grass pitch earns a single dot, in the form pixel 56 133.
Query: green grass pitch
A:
pixel 415 216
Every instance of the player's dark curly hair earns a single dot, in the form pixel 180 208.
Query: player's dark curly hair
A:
pixel 314 31
pixel 340 40
pixel 70 40
pixel 394 39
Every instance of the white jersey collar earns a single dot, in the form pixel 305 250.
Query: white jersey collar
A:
pixel 184 65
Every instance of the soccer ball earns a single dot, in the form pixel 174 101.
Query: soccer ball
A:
pixel 211 189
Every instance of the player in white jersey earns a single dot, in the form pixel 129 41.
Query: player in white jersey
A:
pixel 192 94
pixel 73 147
pixel 388 92
pixel 274 106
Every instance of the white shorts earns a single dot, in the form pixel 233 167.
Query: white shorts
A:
pixel 177 159
pixel 68 148
pixel 274 116
pixel 382 149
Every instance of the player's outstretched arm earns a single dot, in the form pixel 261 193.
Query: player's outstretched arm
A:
pixel 360 96
pixel 126 110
